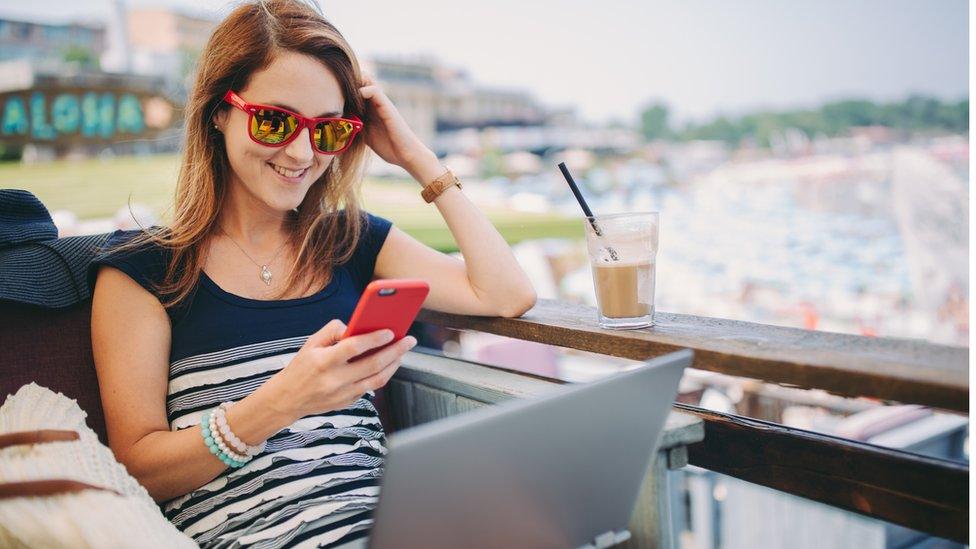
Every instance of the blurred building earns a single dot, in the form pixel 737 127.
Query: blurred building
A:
pixel 50 45
pixel 166 42
pixel 443 105
pixel 47 113
pixel 414 87
pixel 435 99
pixel 84 89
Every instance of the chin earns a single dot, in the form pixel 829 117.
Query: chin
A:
pixel 286 207
pixel 275 200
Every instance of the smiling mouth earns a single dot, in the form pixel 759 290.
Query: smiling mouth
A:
pixel 288 173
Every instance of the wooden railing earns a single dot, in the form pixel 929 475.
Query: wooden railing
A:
pixel 922 493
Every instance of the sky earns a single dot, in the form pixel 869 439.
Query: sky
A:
pixel 609 58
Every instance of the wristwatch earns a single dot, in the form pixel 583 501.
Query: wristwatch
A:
pixel 439 185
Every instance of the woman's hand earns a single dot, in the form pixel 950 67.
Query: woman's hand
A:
pixel 388 134
pixel 320 377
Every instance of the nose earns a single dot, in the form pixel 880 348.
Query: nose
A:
pixel 300 149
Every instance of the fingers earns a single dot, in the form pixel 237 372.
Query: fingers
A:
pixel 359 344
pixel 375 94
pixel 368 88
pixel 379 379
pixel 327 335
pixel 376 362
pixel 363 374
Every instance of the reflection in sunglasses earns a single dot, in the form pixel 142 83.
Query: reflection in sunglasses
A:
pixel 272 126
pixel 275 127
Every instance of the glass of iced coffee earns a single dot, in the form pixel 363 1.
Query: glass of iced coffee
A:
pixel 622 250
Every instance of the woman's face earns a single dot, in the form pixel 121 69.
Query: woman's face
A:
pixel 301 84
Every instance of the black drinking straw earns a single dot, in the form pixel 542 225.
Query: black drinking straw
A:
pixel 586 208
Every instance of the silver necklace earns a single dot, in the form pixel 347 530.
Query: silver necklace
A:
pixel 265 270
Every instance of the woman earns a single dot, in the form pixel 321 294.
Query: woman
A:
pixel 226 389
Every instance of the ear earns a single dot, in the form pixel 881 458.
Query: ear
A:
pixel 220 119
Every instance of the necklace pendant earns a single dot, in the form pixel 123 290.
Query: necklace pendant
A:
pixel 266 275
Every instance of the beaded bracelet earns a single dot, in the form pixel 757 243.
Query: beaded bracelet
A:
pixel 210 438
pixel 221 441
pixel 232 440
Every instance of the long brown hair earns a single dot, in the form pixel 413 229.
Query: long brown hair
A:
pixel 245 42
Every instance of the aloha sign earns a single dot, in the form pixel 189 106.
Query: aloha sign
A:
pixel 78 115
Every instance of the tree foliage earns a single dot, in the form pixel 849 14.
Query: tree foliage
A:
pixel 916 113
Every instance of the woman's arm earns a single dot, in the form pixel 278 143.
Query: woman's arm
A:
pixel 130 343
pixel 489 281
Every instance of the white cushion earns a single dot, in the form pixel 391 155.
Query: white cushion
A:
pixel 90 518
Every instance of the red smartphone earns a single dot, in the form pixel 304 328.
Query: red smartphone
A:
pixel 392 304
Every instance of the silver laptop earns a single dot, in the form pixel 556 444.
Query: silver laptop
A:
pixel 562 470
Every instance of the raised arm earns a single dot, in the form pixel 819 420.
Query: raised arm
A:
pixel 489 281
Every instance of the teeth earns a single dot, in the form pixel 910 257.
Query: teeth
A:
pixel 287 173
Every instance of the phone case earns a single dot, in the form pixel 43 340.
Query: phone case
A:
pixel 387 304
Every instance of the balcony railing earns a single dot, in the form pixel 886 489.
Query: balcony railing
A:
pixel 922 493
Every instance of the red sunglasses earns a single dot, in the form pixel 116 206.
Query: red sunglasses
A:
pixel 277 127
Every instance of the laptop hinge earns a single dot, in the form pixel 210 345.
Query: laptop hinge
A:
pixel 608 539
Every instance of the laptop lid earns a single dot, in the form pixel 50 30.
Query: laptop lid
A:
pixel 560 470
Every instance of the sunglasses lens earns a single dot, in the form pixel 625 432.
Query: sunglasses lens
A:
pixel 334 135
pixel 272 126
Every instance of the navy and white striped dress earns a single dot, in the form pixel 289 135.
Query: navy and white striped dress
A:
pixel 317 481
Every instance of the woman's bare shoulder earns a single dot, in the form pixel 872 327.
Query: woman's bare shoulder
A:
pixel 119 300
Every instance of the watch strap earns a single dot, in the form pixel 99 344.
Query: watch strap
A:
pixel 439 185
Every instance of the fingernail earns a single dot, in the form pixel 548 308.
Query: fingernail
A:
pixel 412 342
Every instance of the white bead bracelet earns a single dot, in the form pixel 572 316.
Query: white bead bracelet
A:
pixel 220 441
pixel 236 444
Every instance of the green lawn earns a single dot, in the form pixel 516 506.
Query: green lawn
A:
pixel 96 188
